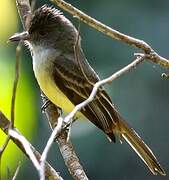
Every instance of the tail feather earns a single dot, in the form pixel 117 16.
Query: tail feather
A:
pixel 140 148
pixel 104 115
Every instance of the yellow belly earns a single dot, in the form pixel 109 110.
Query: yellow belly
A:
pixel 54 94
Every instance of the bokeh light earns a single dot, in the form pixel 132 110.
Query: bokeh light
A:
pixel 8 19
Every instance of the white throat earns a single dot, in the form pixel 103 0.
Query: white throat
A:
pixel 42 56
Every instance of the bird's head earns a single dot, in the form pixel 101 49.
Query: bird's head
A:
pixel 49 28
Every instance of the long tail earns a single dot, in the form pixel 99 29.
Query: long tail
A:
pixel 103 114
pixel 140 148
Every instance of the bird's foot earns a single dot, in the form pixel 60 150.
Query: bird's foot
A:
pixel 47 103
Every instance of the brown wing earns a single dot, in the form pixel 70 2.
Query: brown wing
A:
pixel 70 79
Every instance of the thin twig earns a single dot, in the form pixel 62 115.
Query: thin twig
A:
pixel 16 171
pixel 33 5
pixel 15 83
pixel 2 149
pixel 77 58
pixel 8 173
pixel 48 146
pixel 113 33
pixel 24 10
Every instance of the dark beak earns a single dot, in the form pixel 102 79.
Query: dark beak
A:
pixel 20 37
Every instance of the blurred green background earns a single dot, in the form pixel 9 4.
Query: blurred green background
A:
pixel 141 96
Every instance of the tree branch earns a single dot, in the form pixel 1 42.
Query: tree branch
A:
pixel 24 10
pixel 26 146
pixel 70 157
pixel 50 173
pixel 66 147
pixel 154 57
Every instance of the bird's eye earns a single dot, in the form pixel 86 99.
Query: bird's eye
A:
pixel 42 33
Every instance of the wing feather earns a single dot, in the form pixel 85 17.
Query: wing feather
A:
pixel 71 80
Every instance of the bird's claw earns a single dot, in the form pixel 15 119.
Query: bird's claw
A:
pixel 45 105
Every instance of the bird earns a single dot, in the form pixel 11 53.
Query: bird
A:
pixel 67 79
